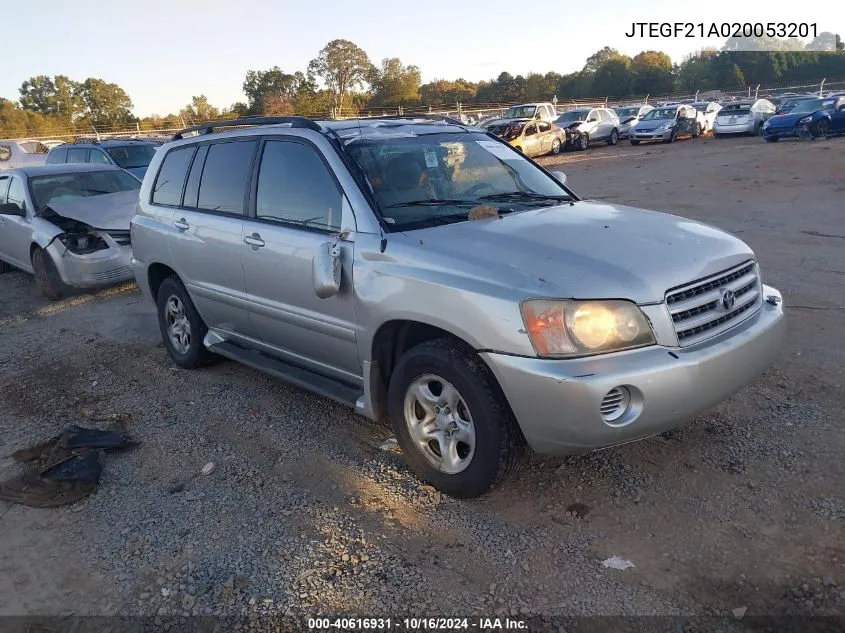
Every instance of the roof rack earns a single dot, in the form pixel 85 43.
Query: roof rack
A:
pixel 211 126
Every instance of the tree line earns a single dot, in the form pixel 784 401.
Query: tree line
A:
pixel 342 80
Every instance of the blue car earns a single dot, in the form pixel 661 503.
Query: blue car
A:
pixel 815 118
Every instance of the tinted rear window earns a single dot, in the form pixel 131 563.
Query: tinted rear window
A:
pixel 58 155
pixel 171 176
pixel 225 176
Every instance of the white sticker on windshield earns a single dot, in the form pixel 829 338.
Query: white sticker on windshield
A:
pixel 498 150
pixel 430 159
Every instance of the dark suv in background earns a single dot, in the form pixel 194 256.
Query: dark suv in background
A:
pixel 133 156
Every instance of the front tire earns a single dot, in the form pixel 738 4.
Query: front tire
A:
pixel 182 328
pixel 771 139
pixel 633 142
pixel 4 267
pixel 696 130
pixel 821 128
pixel 48 277
pixel 451 419
pixel 614 137
pixel 556 145
pixel 583 142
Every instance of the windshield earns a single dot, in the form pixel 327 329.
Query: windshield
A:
pixel 423 180
pixel 701 107
pixel 626 112
pixel 659 114
pixel 572 116
pixel 132 156
pixel 507 131
pixel 65 187
pixel 812 106
pixel 521 112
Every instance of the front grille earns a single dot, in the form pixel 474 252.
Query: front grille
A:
pixel 120 237
pixel 108 275
pixel 698 311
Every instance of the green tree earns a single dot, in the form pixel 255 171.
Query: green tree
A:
pixel 695 71
pixel 343 66
pixel 613 78
pixel 442 91
pixel 652 73
pixel 199 109
pixel 261 84
pixel 395 84
pixel 599 58
pixel 38 94
pixel 106 104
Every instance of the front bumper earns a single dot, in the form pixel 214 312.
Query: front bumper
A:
pixel 737 128
pixel 636 135
pixel 103 268
pixel 556 402
pixel 779 132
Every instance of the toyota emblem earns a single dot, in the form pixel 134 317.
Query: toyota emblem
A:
pixel 728 298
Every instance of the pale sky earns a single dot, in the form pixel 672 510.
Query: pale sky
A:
pixel 162 52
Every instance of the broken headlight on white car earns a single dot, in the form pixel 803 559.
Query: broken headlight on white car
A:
pixel 568 328
pixel 83 243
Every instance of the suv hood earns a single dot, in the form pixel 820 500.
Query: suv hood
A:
pixel 107 212
pixel 587 250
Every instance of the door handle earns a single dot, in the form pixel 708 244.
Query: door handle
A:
pixel 181 224
pixel 254 240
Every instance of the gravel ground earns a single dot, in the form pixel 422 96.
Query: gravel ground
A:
pixel 304 513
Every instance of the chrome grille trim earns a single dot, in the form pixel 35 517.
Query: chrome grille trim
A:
pixel 696 309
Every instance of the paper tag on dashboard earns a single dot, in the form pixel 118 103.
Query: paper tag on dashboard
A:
pixel 430 159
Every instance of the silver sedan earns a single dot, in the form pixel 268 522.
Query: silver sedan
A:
pixel 68 225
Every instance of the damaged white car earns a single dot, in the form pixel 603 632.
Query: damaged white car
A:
pixel 68 225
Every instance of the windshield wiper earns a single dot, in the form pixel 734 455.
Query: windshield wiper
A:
pixel 523 196
pixel 433 202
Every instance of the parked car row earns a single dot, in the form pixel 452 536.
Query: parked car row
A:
pixel 420 272
pixel 128 154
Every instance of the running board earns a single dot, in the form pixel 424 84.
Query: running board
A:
pixel 328 387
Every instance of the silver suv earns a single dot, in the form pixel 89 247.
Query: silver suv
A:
pixel 424 272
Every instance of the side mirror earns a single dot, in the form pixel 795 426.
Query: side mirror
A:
pixel 326 269
pixel 10 208
pixel 560 176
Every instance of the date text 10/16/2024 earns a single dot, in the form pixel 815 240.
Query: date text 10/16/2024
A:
pixel 723 29
pixel 413 624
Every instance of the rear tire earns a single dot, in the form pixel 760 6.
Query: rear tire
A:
pixel 696 130
pixel 492 431
pixel 48 277
pixel 556 145
pixel 614 137
pixel 182 328
pixel 771 139
pixel 4 267
pixel 633 142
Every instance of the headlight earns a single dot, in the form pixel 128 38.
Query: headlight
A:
pixel 560 328
pixel 766 124
pixel 805 119
pixel 83 243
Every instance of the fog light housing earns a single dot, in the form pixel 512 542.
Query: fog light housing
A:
pixel 615 404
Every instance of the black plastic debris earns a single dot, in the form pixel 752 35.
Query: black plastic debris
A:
pixel 64 469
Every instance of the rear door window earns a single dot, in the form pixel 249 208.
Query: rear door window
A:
pixel 227 169
pixel 77 155
pixel 171 177
pixel 5 153
pixel 58 155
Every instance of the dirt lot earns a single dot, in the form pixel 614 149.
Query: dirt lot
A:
pixel 743 507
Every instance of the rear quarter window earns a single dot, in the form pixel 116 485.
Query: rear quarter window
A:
pixel 170 180
pixel 5 153
pixel 56 156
